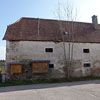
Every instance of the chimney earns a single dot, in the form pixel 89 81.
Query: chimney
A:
pixel 95 22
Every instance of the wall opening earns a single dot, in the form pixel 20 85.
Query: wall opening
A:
pixel 87 65
pixel 48 49
pixel 86 50
pixel 51 65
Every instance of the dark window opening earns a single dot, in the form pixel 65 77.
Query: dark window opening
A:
pixel 49 50
pixel 87 65
pixel 26 71
pixel 86 51
pixel 51 65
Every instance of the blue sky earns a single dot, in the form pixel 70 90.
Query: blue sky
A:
pixel 12 10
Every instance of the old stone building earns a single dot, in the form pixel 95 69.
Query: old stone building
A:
pixel 43 48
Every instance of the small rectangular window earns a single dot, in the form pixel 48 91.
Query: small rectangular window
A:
pixel 49 50
pixel 51 65
pixel 87 65
pixel 86 51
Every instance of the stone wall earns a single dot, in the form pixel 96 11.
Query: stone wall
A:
pixel 26 51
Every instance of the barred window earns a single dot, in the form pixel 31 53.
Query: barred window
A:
pixel 86 50
pixel 48 49
pixel 87 65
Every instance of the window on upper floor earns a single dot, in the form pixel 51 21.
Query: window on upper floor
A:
pixel 87 65
pixel 48 49
pixel 86 51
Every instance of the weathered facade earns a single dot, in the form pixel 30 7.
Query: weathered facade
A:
pixel 37 48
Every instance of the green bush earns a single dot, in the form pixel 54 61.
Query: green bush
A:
pixel 58 80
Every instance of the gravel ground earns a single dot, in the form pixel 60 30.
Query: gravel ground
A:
pixel 85 90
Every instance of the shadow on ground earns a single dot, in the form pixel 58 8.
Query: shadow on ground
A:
pixel 42 86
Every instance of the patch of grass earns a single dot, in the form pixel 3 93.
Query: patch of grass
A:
pixel 60 80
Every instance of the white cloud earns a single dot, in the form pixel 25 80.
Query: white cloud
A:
pixel 2 52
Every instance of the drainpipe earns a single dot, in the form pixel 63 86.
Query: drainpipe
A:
pixel 38 26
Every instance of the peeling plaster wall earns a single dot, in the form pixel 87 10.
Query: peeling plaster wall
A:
pixel 93 57
pixel 25 51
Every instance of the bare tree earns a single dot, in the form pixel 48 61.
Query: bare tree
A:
pixel 67 13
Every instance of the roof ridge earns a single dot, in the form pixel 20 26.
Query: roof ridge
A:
pixel 55 20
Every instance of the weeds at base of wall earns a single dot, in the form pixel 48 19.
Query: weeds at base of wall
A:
pixel 43 81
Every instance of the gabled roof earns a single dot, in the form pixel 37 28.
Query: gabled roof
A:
pixel 34 29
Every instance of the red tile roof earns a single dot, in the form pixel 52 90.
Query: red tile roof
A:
pixel 34 29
